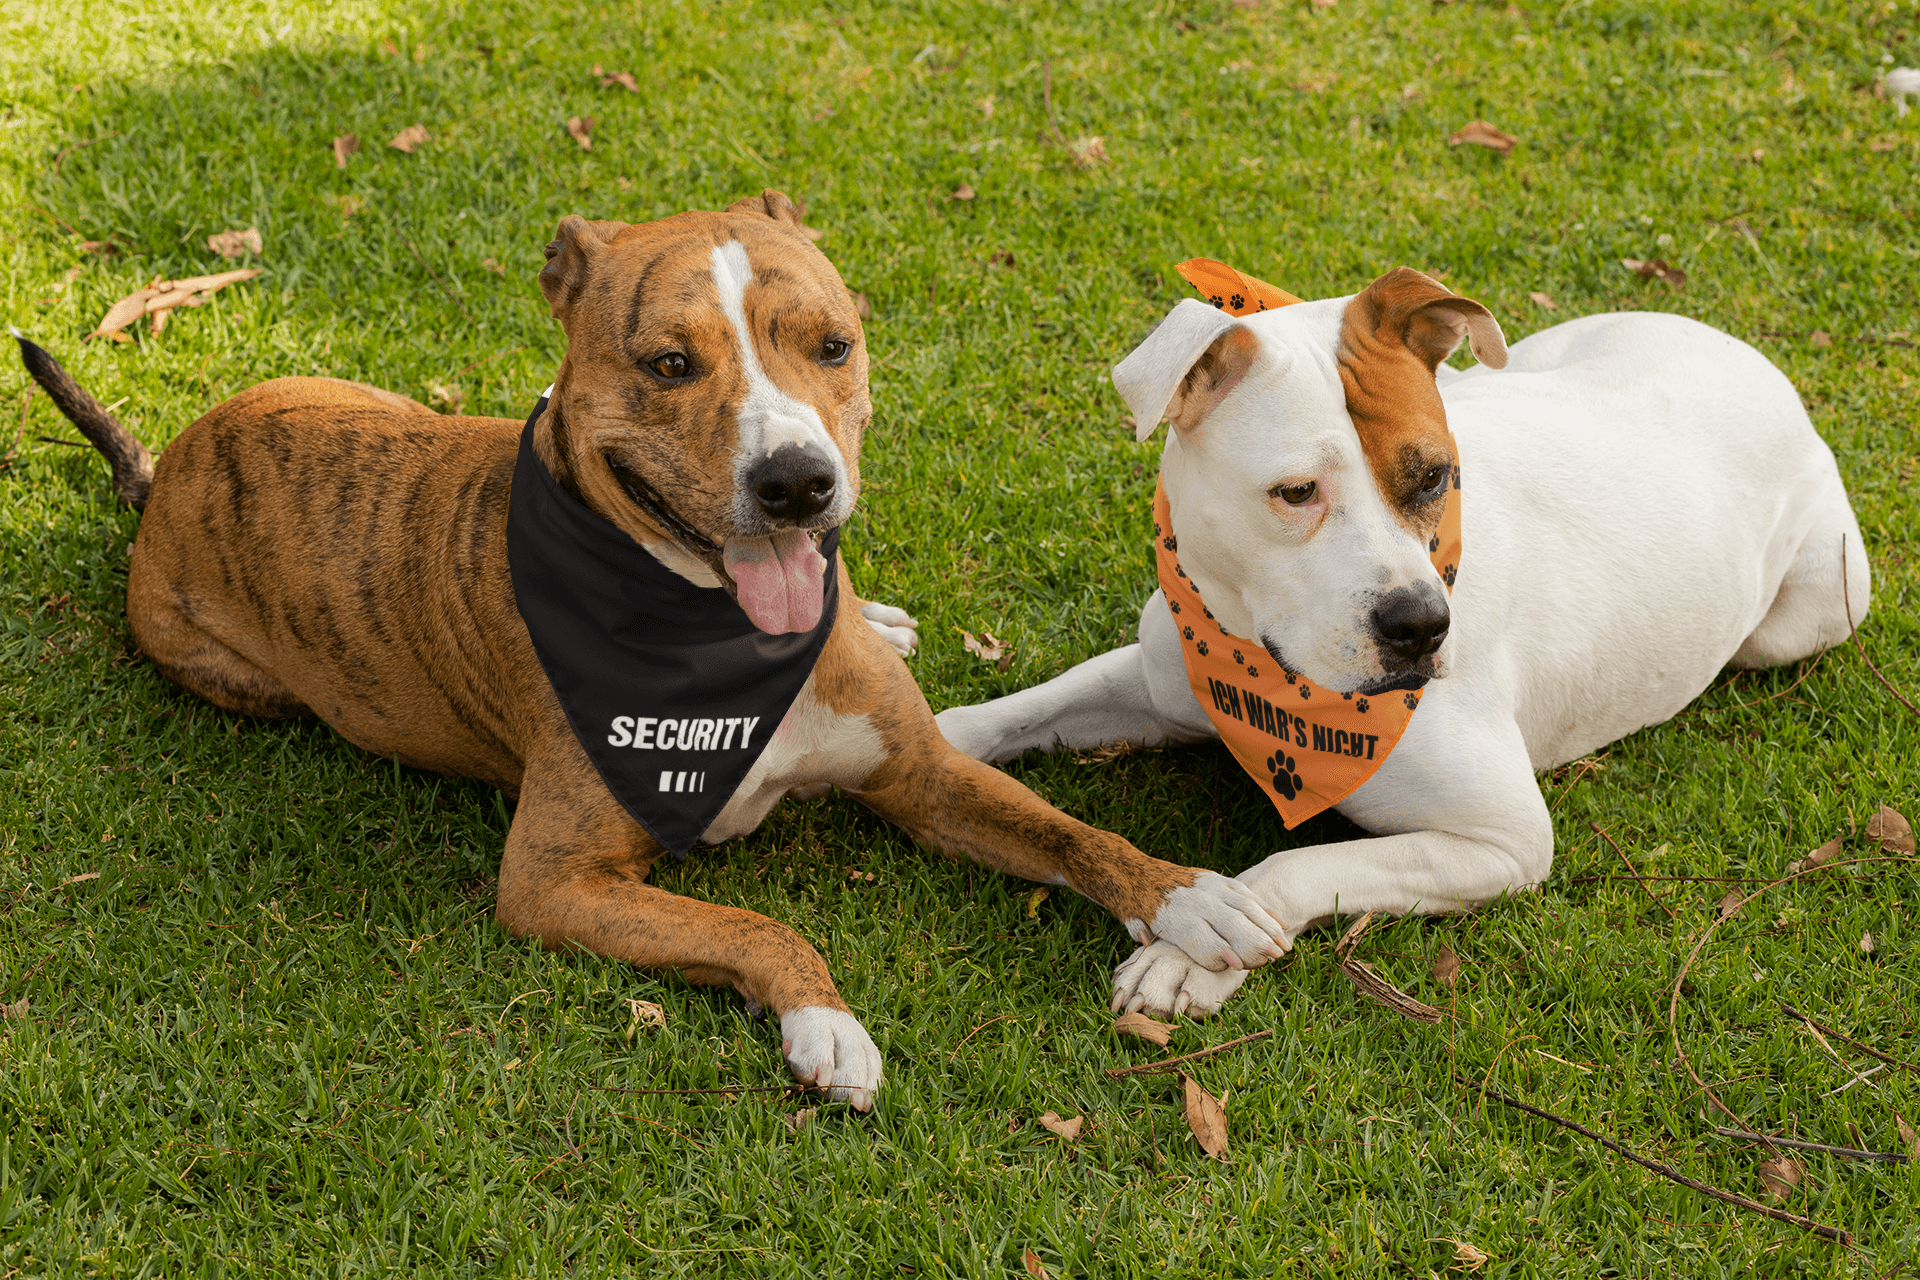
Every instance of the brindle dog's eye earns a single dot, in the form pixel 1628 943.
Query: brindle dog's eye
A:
pixel 1296 495
pixel 1433 478
pixel 834 351
pixel 672 366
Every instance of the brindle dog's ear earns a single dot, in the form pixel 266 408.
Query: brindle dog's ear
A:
pixel 1431 320
pixel 775 205
pixel 569 259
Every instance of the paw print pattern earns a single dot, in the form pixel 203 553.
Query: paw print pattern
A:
pixel 1208 612
pixel 1289 677
pixel 1170 542
pixel 1202 646
pixel 1174 605
pixel 1450 573
pixel 1284 780
pixel 1413 700
pixel 1237 301
pixel 1305 692
pixel 1346 697
pixel 1433 544
pixel 1456 475
pixel 1237 658
pixel 1253 673
pixel 1361 706
pixel 1186 633
pixel 1215 299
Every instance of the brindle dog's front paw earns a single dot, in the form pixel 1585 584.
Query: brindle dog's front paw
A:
pixel 896 626
pixel 829 1049
pixel 1162 980
pixel 1218 922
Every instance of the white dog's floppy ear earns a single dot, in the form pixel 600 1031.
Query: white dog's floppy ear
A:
pixel 1432 320
pixel 1185 367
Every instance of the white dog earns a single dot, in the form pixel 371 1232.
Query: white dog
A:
pixel 1644 503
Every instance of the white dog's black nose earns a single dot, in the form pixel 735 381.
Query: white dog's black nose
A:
pixel 793 482
pixel 1410 623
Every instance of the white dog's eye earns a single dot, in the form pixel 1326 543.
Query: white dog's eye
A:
pixel 1295 495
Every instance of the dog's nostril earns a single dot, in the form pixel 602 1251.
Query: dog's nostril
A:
pixel 793 483
pixel 1412 622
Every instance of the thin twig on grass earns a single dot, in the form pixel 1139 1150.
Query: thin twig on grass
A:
pixel 1046 96
pixel 656 1124
pixel 67 151
pixel 1806 669
pixel 793 1090
pixel 1835 1234
pixel 1847 600
pixel 1726 914
pixel 1369 983
pixel 976 1031
pixel 444 288
pixel 1629 861
pixel 1824 1029
pixel 1845 1153
pixel 1167 1064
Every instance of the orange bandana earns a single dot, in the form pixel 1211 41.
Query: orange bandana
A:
pixel 1308 747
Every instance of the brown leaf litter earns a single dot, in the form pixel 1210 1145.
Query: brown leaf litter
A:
pixel 988 648
pixel 1890 830
pixel 1206 1117
pixel 1068 1129
pixel 1139 1024
pixel 579 128
pixel 343 146
pixel 236 244
pixel 409 138
pixel 1481 134
pixel 1371 984
pixel 1657 269
pixel 162 296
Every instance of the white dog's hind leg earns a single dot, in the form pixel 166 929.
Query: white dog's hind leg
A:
pixel 1810 612
pixel 1125 695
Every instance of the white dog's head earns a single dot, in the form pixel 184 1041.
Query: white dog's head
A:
pixel 1307 469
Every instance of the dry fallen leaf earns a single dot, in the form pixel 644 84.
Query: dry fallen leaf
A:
pixel 645 1014
pixel 497 268
pixel 1820 338
pixel 1469 1258
pixel 1139 1024
pixel 962 192
pixel 798 1120
pixel 1780 1175
pixel 1068 1129
pixel 409 138
pixel 861 307
pixel 1317 84
pixel 1890 829
pixel 1446 966
pixel 578 127
pixel 348 205
pixel 442 396
pixel 1814 859
pixel 1035 1268
pixel 1034 900
pixel 83 876
pixel 988 648
pixel 1544 300
pixel 162 295
pixel 101 247
pixel 622 78
pixel 18 1009
pixel 1729 905
pixel 1908 1136
pixel 1000 258
pixel 1482 134
pixel 1205 1116
pixel 235 244
pixel 858 876
pixel 1088 152
pixel 343 146
pixel 1656 269
pixel 1866 943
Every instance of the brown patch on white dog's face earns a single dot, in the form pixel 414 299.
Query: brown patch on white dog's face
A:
pixel 646 419
pixel 1393 336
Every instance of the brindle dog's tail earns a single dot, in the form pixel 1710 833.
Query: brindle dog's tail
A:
pixel 132 464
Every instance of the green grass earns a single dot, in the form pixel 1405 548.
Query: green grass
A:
pixel 280 1034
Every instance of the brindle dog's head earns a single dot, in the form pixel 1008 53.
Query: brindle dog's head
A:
pixel 713 396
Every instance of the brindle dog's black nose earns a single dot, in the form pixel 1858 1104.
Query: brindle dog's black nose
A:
pixel 1410 623
pixel 793 482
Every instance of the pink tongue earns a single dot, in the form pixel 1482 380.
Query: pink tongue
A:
pixel 782 580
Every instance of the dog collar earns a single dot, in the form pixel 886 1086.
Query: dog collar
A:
pixel 1309 748
pixel 671 690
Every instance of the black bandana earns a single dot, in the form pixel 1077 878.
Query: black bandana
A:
pixel 670 687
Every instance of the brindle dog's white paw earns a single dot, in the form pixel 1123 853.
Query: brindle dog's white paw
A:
pixel 1162 980
pixel 896 626
pixel 1218 922
pixel 828 1048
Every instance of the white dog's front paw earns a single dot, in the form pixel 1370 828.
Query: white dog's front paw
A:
pixel 1218 922
pixel 1162 980
pixel 829 1049
pixel 896 626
